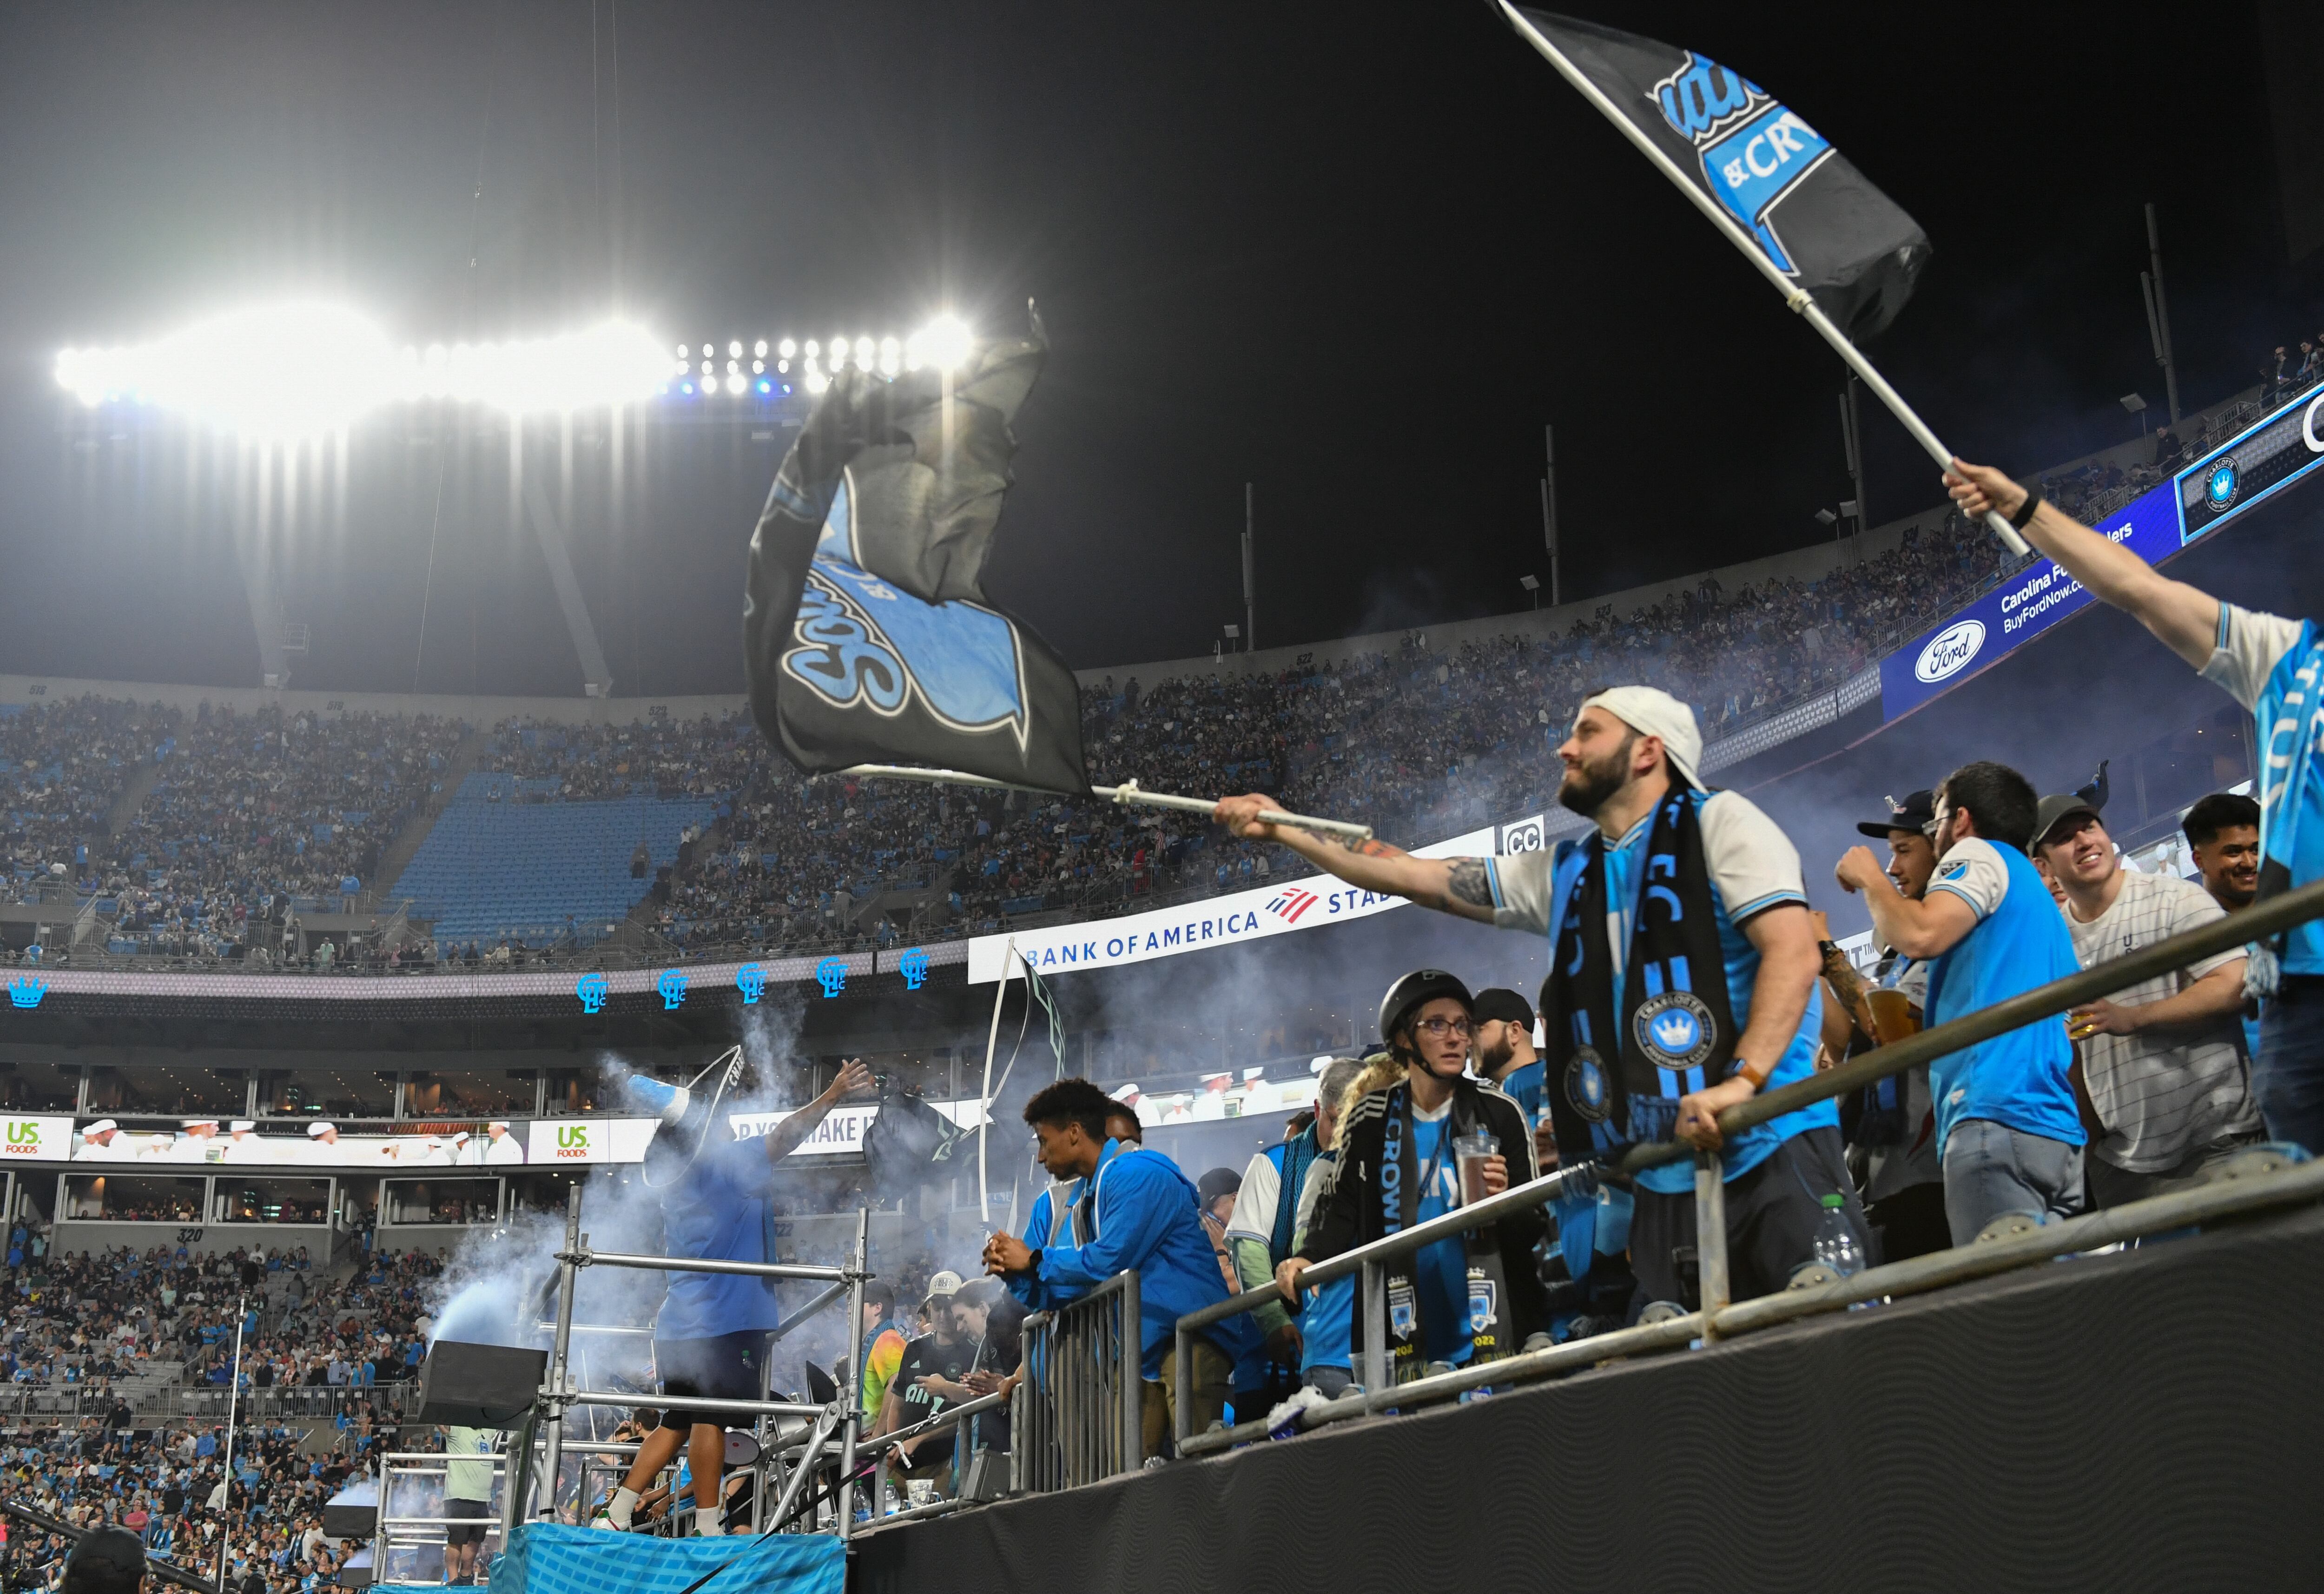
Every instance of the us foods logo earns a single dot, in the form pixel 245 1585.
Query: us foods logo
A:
pixel 23 1138
pixel 1949 651
pixel 572 1140
pixel 1291 904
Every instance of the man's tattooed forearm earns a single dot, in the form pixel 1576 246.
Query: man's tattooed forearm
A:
pixel 1466 881
pixel 1373 847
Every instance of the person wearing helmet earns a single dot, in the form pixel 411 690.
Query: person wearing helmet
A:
pixel 1401 1163
pixel 1644 1041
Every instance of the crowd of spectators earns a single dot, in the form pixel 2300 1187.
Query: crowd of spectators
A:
pixel 2289 370
pixel 256 817
pixel 130 1335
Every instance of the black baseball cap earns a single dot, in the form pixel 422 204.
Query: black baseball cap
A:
pixel 1916 811
pixel 2056 810
pixel 1218 1182
pixel 1497 1001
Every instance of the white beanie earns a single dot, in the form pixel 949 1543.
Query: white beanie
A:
pixel 1651 711
pixel 317 1130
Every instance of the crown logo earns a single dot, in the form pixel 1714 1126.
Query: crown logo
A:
pixel 25 990
pixel 1675 1032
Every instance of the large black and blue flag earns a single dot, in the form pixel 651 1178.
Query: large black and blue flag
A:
pixel 867 635
pixel 1811 214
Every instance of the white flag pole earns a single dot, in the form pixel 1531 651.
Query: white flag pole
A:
pixel 1128 792
pixel 985 1092
pixel 1799 299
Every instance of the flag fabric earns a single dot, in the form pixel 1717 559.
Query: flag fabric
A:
pixel 867 635
pixel 1811 214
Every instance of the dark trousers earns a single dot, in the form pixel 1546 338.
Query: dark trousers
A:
pixel 2289 1079
pixel 1772 1215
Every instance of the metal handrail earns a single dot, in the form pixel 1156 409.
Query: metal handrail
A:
pixel 2173 1210
pixel 583 1257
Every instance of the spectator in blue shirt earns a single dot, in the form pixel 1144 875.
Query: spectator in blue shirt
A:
pixel 1145 1216
pixel 2008 1129
pixel 2271 664
pixel 710 1335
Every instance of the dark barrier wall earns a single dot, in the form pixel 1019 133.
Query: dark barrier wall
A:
pixel 2152 1420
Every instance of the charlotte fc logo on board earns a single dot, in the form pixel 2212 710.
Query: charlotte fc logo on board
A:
pixel 1585 1085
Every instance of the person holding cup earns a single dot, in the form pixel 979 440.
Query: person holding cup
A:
pixel 1894 1123
pixel 1439 1140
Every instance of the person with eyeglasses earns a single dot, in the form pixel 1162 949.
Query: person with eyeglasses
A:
pixel 1401 1160
pixel 1682 980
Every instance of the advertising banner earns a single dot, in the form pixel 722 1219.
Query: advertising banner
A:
pixel 1196 927
pixel 38 1139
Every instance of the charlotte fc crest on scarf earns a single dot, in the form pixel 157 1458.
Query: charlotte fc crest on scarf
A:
pixel 1675 1030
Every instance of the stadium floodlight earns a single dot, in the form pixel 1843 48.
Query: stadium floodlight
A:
pixel 865 351
pixel 1827 517
pixel 734 349
pixel 303 368
pixel 788 349
pixel 944 343
pixel 759 349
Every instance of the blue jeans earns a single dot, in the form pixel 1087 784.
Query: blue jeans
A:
pixel 1991 1168
pixel 2289 1079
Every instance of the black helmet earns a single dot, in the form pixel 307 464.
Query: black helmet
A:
pixel 1422 985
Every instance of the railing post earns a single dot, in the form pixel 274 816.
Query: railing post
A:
pixel 850 1396
pixel 1182 1386
pixel 553 1446
pixel 1710 1237
pixel 1133 1377
pixel 1375 1303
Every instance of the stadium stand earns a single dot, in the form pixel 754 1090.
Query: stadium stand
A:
pixel 257 823
pixel 497 870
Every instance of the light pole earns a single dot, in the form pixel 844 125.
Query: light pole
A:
pixel 1532 583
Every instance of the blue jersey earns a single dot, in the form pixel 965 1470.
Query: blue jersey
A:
pixel 1440 1272
pixel 2272 667
pixel 2020 941
pixel 716 1210
pixel 1753 867
pixel 1148 1218
pixel 1523 1086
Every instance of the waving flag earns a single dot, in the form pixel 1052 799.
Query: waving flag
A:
pixel 867 634
pixel 1810 213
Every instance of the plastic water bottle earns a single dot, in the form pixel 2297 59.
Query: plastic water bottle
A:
pixel 1836 1245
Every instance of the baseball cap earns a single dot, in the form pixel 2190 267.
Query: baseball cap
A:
pixel 1218 1182
pixel 1915 811
pixel 2056 811
pixel 943 1286
pixel 1498 1001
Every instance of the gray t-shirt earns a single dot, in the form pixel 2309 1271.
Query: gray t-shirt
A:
pixel 2163 1094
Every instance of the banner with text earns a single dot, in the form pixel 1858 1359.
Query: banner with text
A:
pixel 1307 903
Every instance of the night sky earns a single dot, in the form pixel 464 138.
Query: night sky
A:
pixel 1358 254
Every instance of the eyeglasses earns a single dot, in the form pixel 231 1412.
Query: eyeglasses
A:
pixel 1438 1029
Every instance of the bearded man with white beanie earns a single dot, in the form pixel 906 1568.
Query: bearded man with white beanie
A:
pixel 1682 980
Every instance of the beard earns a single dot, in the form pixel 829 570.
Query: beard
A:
pixel 1589 784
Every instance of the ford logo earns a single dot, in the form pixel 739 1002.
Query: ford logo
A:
pixel 1949 651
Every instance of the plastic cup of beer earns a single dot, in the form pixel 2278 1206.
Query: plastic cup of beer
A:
pixel 1891 1016
pixel 920 1491
pixel 1473 1152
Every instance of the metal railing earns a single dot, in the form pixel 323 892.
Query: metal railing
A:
pixel 835 1427
pixel 2261 1182
pixel 409 1526
pixel 951 1417
pixel 1079 1411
